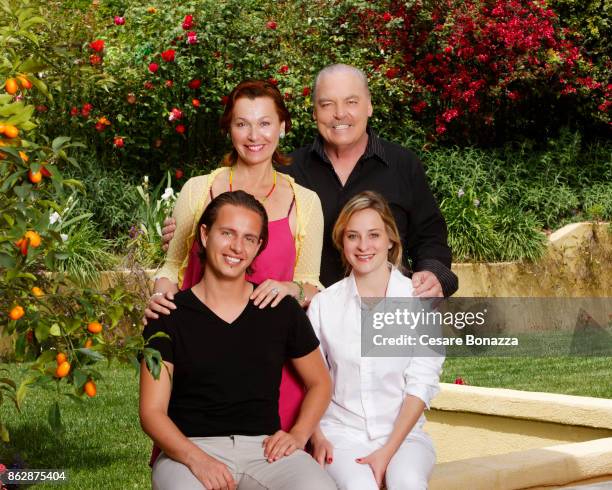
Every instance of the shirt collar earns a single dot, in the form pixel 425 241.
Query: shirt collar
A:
pixel 399 286
pixel 374 148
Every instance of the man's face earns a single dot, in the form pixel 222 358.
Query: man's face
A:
pixel 342 108
pixel 232 242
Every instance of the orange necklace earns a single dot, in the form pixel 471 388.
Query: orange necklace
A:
pixel 231 175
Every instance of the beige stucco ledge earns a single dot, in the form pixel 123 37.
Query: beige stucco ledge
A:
pixel 545 407
pixel 550 466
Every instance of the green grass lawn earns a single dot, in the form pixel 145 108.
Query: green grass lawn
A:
pixel 104 447
pixel 584 376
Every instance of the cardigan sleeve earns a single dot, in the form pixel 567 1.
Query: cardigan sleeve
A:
pixel 310 237
pixel 184 213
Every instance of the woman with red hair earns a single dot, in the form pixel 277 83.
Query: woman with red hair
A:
pixel 255 118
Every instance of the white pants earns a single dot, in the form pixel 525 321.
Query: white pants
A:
pixel 409 468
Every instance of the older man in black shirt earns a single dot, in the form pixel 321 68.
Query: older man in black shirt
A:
pixel 347 158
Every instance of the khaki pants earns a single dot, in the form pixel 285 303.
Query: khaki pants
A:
pixel 244 457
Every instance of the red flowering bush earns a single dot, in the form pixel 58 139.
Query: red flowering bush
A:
pixel 479 70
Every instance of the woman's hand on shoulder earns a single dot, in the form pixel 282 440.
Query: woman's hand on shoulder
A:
pixel 161 301
pixel 271 292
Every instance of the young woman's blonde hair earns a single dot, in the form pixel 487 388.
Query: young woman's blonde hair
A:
pixel 369 200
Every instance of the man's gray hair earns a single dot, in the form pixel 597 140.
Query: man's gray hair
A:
pixel 337 68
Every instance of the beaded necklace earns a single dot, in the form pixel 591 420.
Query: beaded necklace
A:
pixel 231 175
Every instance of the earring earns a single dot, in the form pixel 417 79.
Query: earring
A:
pixel 282 134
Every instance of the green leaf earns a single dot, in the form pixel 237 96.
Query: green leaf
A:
pixel 80 378
pixel 42 332
pixel 59 142
pixel 9 382
pixel 55 330
pixel 92 354
pixel 31 66
pixel 39 84
pixel 4 433
pixel 115 313
pixel 20 345
pixel 9 219
pixel 33 21
pixel 74 397
pixel 55 418
pixel 153 360
pixel 28 126
pixel 23 388
pixel 7 261
pixel 22 191
pixel 45 357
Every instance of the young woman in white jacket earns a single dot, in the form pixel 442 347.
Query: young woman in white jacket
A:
pixel 372 431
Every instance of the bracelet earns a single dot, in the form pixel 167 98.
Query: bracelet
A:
pixel 300 296
pixel 158 294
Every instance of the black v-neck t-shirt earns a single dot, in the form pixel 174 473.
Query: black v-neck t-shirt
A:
pixel 227 375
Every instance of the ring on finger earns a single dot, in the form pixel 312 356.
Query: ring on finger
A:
pixel 274 291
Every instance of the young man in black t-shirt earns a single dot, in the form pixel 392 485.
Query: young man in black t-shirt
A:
pixel 214 409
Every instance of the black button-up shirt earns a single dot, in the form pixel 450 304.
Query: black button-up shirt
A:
pixel 398 175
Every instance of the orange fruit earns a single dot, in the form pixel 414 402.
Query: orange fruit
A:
pixel 35 177
pixel 33 237
pixel 60 358
pixel 11 86
pixel 23 156
pixel 25 83
pixel 2 128
pixel 36 291
pixel 11 131
pixel 90 389
pixel 62 370
pixel 88 343
pixel 94 327
pixel 16 312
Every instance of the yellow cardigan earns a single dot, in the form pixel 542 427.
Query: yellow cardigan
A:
pixel 190 206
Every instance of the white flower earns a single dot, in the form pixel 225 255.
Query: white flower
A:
pixel 168 193
pixel 476 202
pixel 460 193
pixel 55 218
pixel 64 237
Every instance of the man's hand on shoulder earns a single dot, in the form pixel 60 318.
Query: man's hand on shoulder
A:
pixel 168 232
pixel 426 285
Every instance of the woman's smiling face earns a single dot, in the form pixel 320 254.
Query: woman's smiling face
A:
pixel 255 129
pixel 366 242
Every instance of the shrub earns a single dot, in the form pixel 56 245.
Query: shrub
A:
pixel 108 194
pixel 156 62
pixel 471 227
pixel 480 71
